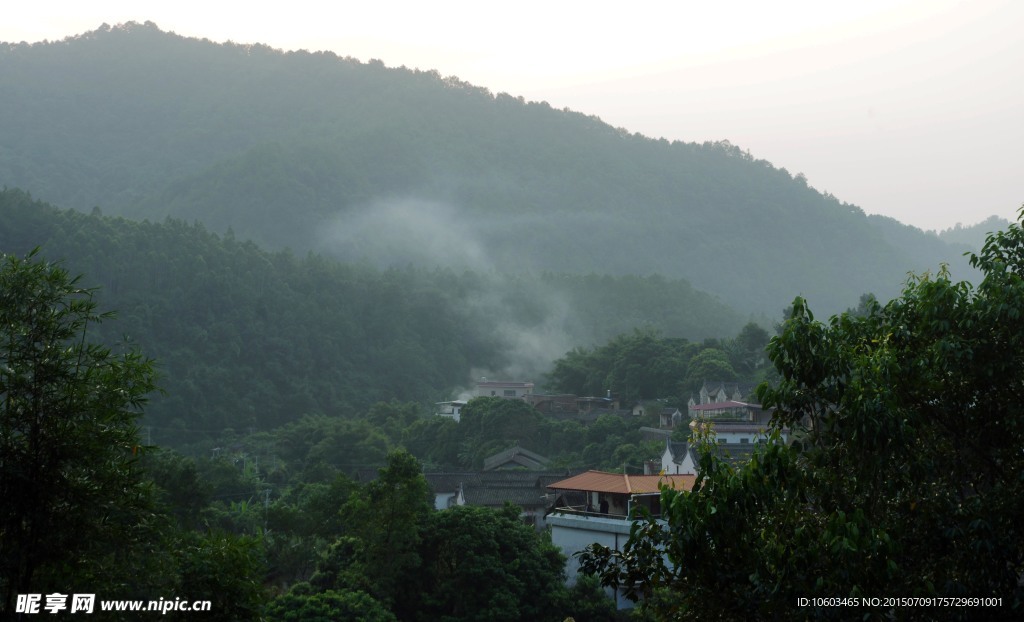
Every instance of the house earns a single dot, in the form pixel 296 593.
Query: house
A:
pixel 669 418
pixel 654 434
pixel 515 457
pixel 452 410
pixel 493 489
pixel 507 390
pixel 552 404
pixel 722 407
pixel 679 458
pixel 732 421
pixel 683 458
pixel 581 409
pixel 595 506
pixel 591 404
pixel 717 391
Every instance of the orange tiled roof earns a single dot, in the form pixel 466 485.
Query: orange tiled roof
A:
pixel 618 483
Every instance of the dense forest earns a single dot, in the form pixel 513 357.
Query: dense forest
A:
pixel 311 151
pixel 974 235
pixel 273 523
pixel 249 338
pixel 301 253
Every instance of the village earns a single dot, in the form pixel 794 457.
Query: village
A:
pixel 584 507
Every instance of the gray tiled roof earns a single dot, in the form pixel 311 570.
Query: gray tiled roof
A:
pixel 734 453
pixel 527 489
pixel 516 455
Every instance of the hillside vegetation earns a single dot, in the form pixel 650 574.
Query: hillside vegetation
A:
pixel 245 338
pixel 391 166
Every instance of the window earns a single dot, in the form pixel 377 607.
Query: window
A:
pixel 744 440
pixel 510 392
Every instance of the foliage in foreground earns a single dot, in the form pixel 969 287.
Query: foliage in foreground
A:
pixel 905 477
pixel 78 515
pixel 67 434
pixel 405 559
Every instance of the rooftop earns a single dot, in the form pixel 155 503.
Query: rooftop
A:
pixel 502 383
pixel 723 405
pixel 623 484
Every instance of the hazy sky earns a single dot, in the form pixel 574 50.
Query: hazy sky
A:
pixel 912 109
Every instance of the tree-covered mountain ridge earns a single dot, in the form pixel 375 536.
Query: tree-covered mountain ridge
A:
pixel 392 166
pixel 245 337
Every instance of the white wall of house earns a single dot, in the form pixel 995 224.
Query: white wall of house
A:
pixel 724 435
pixel 444 500
pixel 507 390
pixel 452 410
pixel 670 467
pixel 573 533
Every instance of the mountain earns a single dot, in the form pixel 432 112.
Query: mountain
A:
pixel 973 236
pixel 391 167
pixel 244 337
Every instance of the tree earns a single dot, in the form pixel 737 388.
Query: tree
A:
pixel 747 350
pixel 634 366
pixel 588 602
pixel 225 569
pixel 708 364
pixel 302 605
pixel 905 474
pixel 387 518
pixel 492 424
pixel 485 564
pixel 72 496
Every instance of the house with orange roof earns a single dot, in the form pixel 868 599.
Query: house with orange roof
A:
pixel 596 506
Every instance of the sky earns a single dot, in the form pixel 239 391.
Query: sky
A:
pixel 911 109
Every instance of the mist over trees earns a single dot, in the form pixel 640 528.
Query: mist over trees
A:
pixel 310 251
pixel 249 338
pixel 974 236
pixel 311 151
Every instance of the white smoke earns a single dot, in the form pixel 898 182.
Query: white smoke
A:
pixel 429 234
pixel 398 232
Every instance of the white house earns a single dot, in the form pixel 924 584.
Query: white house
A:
pixel 452 410
pixel 679 458
pixel 594 507
pixel 508 390
pixel 684 458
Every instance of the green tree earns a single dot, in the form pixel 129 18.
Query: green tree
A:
pixel 387 518
pixel 72 495
pixel 180 488
pixel 747 350
pixel 226 570
pixel 708 364
pixel 905 474
pixel 574 373
pixel 484 564
pixel 637 365
pixel 588 602
pixel 492 424
pixel 302 605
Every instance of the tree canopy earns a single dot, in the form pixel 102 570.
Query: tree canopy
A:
pixel 246 338
pixel 904 476
pixel 312 151
pixel 72 496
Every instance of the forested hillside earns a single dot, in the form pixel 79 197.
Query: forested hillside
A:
pixel 245 338
pixel 973 236
pixel 358 161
